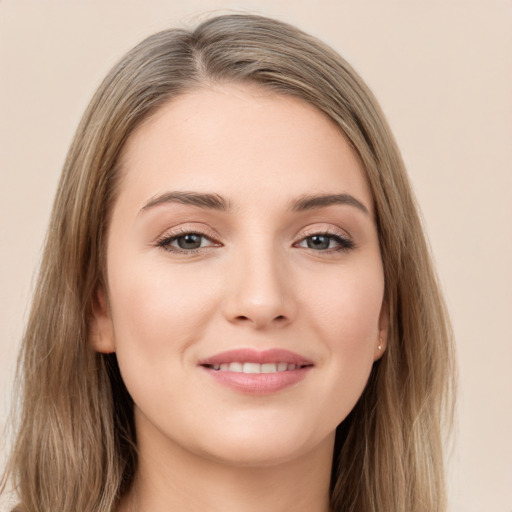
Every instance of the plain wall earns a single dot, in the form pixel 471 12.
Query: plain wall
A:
pixel 442 71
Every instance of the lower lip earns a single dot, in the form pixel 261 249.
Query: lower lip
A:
pixel 258 383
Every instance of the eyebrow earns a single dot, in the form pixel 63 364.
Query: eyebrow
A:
pixel 210 201
pixel 217 202
pixel 312 202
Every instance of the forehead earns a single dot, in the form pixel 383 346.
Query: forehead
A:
pixel 237 140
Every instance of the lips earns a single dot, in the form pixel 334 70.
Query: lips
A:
pixel 257 372
pixel 245 355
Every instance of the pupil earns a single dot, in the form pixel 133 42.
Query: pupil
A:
pixel 318 242
pixel 190 241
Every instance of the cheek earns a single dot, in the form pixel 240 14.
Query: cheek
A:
pixel 345 316
pixel 348 306
pixel 152 297
pixel 157 314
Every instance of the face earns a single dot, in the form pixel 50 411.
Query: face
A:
pixel 245 282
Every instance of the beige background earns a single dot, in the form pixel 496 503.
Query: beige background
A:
pixel 442 71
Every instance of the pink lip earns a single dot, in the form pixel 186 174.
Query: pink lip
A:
pixel 247 355
pixel 257 383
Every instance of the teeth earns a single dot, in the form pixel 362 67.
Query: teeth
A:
pixel 255 367
pixel 235 367
pixel 252 368
pixel 269 368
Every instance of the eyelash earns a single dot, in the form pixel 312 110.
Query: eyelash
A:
pixel 166 241
pixel 344 243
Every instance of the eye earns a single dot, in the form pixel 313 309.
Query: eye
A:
pixel 185 242
pixel 326 242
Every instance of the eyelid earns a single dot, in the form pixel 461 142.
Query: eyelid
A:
pixel 323 229
pixel 190 227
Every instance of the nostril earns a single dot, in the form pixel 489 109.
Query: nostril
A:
pixel 278 319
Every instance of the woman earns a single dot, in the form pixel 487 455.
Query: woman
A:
pixel 236 308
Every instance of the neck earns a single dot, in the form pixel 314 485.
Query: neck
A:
pixel 174 479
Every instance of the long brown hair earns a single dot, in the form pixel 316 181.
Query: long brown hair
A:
pixel 75 448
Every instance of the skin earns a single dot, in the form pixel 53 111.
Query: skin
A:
pixel 255 282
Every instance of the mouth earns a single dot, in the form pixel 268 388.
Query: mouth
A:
pixel 247 367
pixel 255 372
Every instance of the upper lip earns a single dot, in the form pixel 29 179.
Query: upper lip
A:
pixel 248 355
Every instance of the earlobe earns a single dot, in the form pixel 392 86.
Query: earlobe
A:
pixel 380 348
pixel 381 342
pixel 101 330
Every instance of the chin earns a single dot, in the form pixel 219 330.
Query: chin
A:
pixel 259 455
pixel 263 447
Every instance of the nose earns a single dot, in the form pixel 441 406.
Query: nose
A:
pixel 259 292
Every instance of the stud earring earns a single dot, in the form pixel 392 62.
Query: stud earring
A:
pixel 379 347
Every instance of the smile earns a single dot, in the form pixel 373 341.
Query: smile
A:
pixel 256 368
pixel 256 372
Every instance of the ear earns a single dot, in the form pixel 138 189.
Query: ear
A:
pixel 101 329
pixel 382 337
